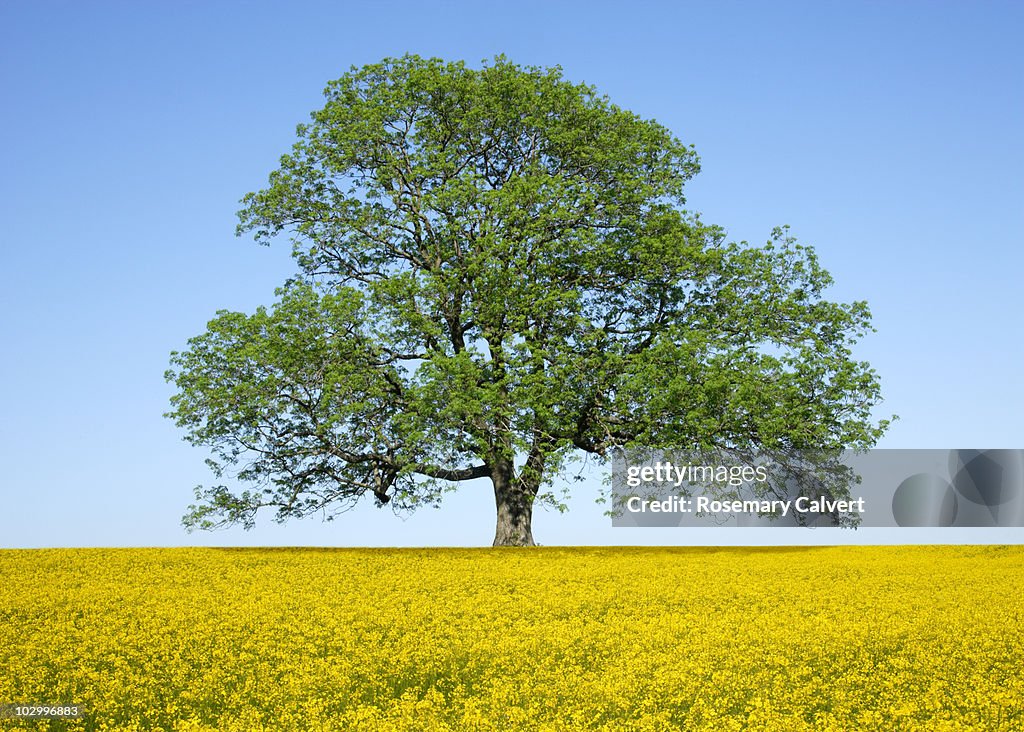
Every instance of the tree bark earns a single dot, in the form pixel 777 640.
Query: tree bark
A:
pixel 514 502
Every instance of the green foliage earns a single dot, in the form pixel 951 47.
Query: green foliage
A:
pixel 497 272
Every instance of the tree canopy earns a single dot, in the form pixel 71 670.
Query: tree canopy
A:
pixel 497 273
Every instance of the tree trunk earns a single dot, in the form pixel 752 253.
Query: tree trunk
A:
pixel 515 509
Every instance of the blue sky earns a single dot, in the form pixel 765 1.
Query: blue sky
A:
pixel 888 135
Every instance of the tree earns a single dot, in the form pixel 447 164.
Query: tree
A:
pixel 497 275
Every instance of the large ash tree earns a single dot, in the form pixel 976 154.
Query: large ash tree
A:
pixel 497 275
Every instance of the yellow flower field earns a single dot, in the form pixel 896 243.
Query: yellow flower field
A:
pixel 831 638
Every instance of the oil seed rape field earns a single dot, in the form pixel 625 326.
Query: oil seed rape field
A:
pixel 822 638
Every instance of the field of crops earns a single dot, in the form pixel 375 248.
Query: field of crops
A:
pixel 868 638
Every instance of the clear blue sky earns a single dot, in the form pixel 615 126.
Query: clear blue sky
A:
pixel 888 135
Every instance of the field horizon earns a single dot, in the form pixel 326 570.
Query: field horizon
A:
pixel 908 637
